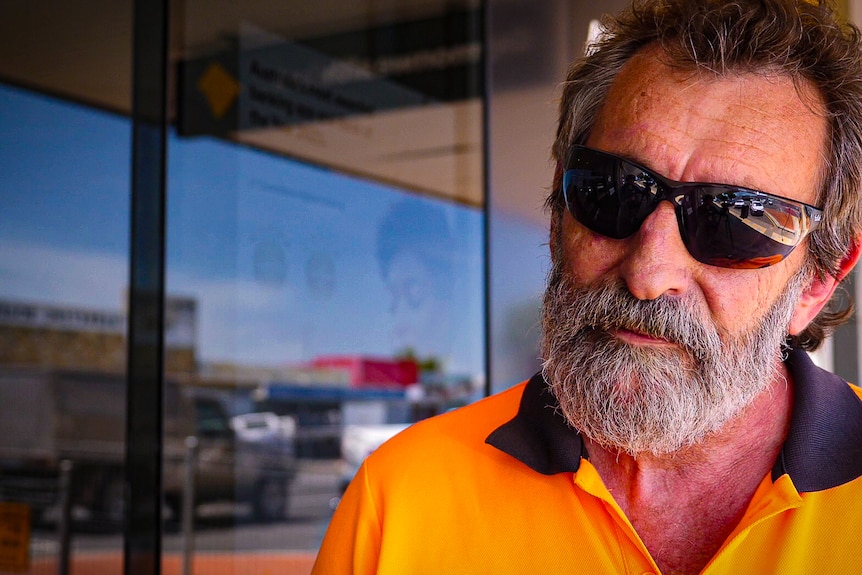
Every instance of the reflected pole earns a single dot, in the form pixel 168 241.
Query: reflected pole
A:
pixel 188 513
pixel 64 529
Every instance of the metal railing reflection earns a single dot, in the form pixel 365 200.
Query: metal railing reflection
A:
pixel 189 504
pixel 64 528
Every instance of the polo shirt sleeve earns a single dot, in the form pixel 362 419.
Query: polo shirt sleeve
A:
pixel 352 541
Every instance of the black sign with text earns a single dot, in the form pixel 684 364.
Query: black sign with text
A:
pixel 269 81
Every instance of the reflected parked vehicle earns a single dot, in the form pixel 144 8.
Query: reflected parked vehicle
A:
pixel 264 426
pixel 233 463
pixel 53 416
pixel 357 443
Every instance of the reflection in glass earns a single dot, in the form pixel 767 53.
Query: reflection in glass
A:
pixel 63 276
pixel 300 310
pixel 325 195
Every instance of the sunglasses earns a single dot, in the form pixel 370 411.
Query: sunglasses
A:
pixel 721 225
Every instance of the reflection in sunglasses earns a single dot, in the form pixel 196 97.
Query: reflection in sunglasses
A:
pixel 721 224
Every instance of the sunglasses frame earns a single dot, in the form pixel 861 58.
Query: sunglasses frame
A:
pixel 660 188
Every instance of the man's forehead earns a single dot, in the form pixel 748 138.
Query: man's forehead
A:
pixel 649 81
pixel 744 129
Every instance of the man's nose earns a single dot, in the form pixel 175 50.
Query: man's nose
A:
pixel 656 261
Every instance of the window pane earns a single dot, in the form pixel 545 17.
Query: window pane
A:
pixel 64 216
pixel 63 277
pixel 326 243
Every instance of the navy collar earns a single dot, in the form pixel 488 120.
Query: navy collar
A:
pixel 823 447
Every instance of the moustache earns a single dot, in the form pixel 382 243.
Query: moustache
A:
pixel 609 307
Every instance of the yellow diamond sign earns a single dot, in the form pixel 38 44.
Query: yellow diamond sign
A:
pixel 219 88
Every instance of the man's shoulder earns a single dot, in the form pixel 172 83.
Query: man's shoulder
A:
pixel 458 432
pixel 823 447
pixel 477 419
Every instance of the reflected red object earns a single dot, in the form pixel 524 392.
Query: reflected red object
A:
pixel 372 372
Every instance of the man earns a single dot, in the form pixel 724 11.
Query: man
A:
pixel 678 425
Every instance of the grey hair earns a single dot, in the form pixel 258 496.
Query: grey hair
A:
pixel 800 39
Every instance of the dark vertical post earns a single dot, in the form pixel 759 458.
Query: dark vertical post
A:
pixel 64 528
pixel 142 553
pixel 484 94
pixel 188 512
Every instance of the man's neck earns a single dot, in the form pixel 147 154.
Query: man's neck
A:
pixel 685 504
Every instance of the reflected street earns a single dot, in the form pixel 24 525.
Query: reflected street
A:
pixel 225 529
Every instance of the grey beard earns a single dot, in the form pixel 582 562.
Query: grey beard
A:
pixel 656 400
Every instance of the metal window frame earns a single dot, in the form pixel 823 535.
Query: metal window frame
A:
pixel 145 373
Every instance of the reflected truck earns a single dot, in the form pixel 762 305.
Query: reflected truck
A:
pixel 52 416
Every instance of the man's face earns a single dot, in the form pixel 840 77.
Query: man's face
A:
pixel 677 348
pixel 656 399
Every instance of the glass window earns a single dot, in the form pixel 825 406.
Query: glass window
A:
pixel 325 266
pixel 325 241
pixel 64 213
pixel 65 149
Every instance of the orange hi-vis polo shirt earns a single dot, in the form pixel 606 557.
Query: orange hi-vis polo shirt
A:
pixel 504 486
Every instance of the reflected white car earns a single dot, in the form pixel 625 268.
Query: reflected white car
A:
pixel 358 441
pixel 263 426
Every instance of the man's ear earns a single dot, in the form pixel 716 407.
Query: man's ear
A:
pixel 820 291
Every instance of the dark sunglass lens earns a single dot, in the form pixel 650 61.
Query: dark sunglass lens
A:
pixel 736 229
pixel 609 196
pixel 638 190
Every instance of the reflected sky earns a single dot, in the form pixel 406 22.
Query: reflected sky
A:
pixel 281 257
